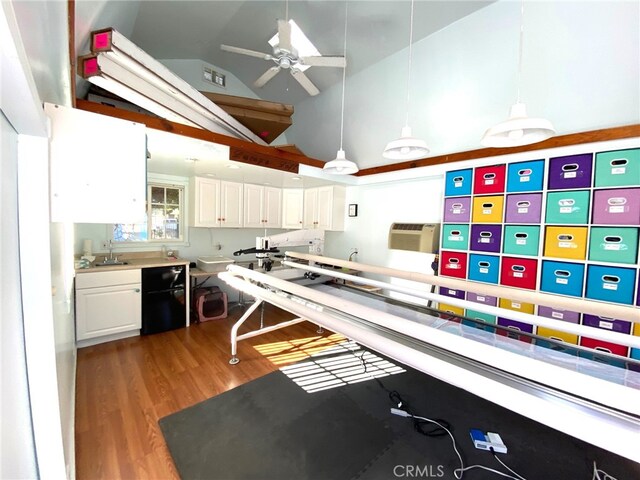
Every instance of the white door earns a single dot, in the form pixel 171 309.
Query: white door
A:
pixel 292 201
pixel 207 203
pixel 231 204
pixel 272 207
pixel 253 217
pixel 310 218
pixel 108 310
pixel 325 208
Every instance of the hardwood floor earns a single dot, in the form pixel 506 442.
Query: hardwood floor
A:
pixel 125 387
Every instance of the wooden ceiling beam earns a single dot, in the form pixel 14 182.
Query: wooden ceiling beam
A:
pixel 603 135
pixel 239 150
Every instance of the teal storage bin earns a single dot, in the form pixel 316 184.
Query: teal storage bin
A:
pixel 613 244
pixel 611 284
pixel 635 353
pixel 618 168
pixel 455 236
pixel 568 207
pixel 521 240
pixel 485 317
pixel 562 278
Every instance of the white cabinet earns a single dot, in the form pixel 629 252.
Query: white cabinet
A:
pixel 98 167
pixel 108 305
pixel 292 202
pixel 324 208
pixel 262 206
pixel 215 203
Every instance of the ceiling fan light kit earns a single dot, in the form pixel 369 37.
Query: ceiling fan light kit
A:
pixel 518 129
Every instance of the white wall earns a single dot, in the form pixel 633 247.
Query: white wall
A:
pixel 17 450
pixel 581 70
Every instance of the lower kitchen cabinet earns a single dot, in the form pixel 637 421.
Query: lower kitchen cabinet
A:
pixel 108 305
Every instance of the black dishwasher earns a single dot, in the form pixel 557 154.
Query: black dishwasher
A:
pixel 163 299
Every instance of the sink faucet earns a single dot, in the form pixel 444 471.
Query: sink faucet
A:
pixel 110 259
pixel 354 252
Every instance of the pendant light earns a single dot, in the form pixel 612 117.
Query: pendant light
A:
pixel 519 129
pixel 407 147
pixel 340 165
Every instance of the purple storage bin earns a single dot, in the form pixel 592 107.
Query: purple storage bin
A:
pixel 457 209
pixel 513 324
pixel 570 172
pixel 620 326
pixel 484 299
pixel 619 206
pixel 486 238
pixel 450 292
pixel 564 315
pixel 525 208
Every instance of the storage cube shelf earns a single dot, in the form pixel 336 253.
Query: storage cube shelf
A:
pixel 564 224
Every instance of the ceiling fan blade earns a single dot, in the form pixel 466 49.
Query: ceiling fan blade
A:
pixel 305 82
pixel 266 76
pixel 244 51
pixel 324 61
pixel 284 36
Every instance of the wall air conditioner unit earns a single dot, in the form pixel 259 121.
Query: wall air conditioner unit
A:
pixel 416 237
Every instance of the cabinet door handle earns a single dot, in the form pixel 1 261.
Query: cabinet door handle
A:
pixel 137 290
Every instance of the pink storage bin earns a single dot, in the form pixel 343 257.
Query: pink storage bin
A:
pixel 619 206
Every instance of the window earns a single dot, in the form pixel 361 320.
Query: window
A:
pixel 164 218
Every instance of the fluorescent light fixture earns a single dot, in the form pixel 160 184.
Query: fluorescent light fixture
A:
pixel 119 66
pixel 299 42
pixel 233 166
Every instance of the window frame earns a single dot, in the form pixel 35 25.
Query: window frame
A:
pixel 164 181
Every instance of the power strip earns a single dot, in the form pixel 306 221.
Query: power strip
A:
pixel 487 442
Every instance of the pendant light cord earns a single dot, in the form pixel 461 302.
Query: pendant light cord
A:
pixel 520 49
pixel 286 10
pixel 344 70
pixel 410 57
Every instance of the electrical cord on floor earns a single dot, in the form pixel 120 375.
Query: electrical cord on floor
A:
pixel 597 472
pixel 504 464
pixel 458 472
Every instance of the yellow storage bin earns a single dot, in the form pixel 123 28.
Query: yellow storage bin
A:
pixel 451 309
pixel 488 209
pixel 517 306
pixel 566 242
pixel 558 335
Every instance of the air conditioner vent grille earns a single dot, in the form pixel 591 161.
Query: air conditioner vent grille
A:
pixel 415 237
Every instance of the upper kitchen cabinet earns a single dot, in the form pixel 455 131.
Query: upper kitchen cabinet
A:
pixel 262 206
pixel 324 208
pixel 292 202
pixel 215 203
pixel 98 167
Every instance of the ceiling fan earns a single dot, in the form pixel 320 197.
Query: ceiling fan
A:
pixel 285 56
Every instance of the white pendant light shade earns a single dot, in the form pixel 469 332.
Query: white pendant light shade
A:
pixel 518 130
pixel 340 165
pixel 407 147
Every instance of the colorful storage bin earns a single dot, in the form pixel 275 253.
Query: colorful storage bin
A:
pixel 618 168
pixel 489 179
pixel 635 352
pixel 562 278
pixel 488 209
pixel 518 307
pixel 483 268
pixel 451 309
pixel 568 207
pixel 558 314
pixel 453 264
pixel 483 317
pixel 558 335
pixel 484 299
pixel 458 183
pixel 524 208
pixel 486 238
pixel 566 242
pixel 619 326
pixel 611 284
pixel 617 206
pixel 521 240
pixel 455 236
pixel 457 210
pixel 450 292
pixel 525 176
pixel 570 172
pixel 613 244
pixel 519 272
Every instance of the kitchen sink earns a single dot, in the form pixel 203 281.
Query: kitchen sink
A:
pixel 109 264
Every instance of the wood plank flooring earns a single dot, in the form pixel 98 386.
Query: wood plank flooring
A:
pixel 125 387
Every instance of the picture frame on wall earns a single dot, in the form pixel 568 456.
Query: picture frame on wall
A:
pixel 353 209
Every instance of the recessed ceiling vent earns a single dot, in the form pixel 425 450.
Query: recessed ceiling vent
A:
pixel 415 237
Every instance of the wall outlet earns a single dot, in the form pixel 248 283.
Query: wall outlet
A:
pixel 105 245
